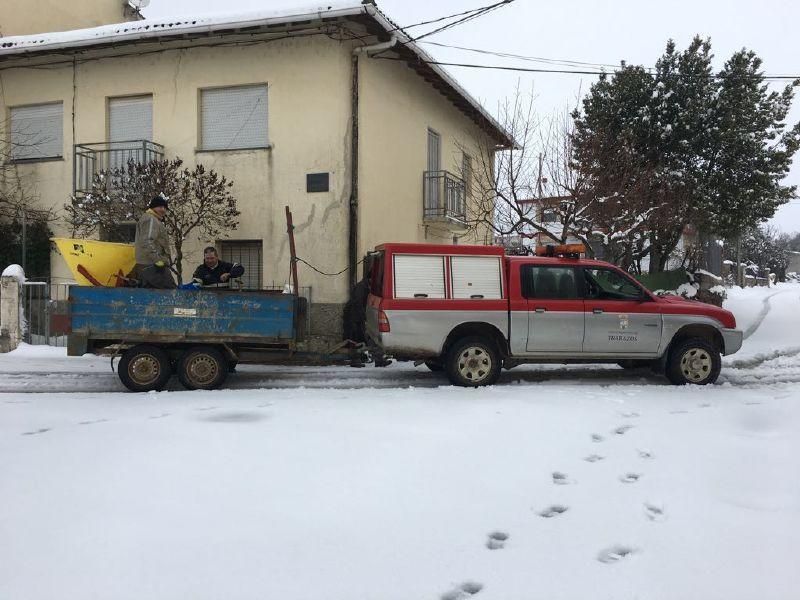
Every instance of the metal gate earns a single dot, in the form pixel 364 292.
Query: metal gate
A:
pixel 46 311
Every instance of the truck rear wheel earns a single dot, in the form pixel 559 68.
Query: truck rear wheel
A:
pixel 202 368
pixel 144 368
pixel 693 361
pixel 473 362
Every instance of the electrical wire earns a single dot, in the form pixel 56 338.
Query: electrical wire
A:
pixel 312 267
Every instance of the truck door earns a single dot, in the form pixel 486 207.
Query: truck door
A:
pixel 555 308
pixel 620 317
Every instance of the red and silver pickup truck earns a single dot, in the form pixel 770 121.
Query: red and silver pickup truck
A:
pixel 472 310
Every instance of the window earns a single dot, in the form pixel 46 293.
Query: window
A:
pixel 249 254
pixel 130 119
pixel 554 283
pixel 605 284
pixel 549 215
pixel 233 118
pixel 37 131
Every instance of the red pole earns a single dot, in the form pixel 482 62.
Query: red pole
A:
pixel 293 259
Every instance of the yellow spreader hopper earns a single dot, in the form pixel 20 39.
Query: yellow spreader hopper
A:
pixel 96 263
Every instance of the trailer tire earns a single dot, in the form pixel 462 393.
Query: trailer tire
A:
pixel 202 368
pixel 144 368
pixel 695 361
pixel 473 362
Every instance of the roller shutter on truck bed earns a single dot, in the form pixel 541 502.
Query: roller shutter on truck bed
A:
pixel 476 277
pixel 418 276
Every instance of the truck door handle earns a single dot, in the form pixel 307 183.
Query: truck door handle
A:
pixel 476 297
pixel 540 310
pixel 597 311
pixel 420 295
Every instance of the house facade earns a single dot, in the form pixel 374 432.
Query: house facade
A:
pixel 333 112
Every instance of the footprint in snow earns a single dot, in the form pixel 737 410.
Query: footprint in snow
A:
pixel 93 422
pixel 560 478
pixel 645 453
pixel 465 590
pixel 630 477
pixel 622 429
pixel 704 405
pixel 553 511
pixel 161 416
pixel 593 458
pixel 16 402
pixel 679 412
pixel 614 554
pixel 38 431
pixel 654 512
pixel 596 437
pixel 496 540
pixel 752 403
pixel 202 408
pixel 629 415
pixel 266 405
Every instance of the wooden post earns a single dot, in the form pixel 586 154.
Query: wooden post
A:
pixel 292 251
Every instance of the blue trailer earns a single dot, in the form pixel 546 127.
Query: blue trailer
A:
pixel 199 335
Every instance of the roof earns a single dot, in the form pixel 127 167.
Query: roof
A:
pixel 262 21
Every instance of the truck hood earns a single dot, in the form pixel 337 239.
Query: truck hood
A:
pixel 683 306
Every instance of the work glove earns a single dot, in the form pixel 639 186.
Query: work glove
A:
pixel 160 264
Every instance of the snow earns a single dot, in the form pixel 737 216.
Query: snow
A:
pixel 338 483
pixel 14 271
pixel 686 290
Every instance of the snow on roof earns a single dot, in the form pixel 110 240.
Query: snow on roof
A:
pixel 152 29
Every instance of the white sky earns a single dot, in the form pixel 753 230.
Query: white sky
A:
pixel 599 31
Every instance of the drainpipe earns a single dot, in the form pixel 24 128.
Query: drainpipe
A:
pixel 353 220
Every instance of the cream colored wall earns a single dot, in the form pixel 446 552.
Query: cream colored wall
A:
pixel 309 113
pixel 23 17
pixel 396 108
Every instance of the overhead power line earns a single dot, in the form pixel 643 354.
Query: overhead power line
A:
pixel 469 17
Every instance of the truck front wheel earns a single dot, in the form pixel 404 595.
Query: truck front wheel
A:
pixel 144 368
pixel 202 368
pixel 473 362
pixel 693 361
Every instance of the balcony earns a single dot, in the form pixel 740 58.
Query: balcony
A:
pixel 94 158
pixel 443 197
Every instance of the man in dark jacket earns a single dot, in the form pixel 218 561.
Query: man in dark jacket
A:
pixel 213 271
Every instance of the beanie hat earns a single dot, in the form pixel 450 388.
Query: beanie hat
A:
pixel 158 201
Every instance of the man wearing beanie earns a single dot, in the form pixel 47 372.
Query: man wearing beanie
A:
pixel 152 247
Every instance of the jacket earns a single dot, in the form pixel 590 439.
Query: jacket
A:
pixel 212 276
pixel 152 240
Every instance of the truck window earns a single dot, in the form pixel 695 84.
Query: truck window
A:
pixel 375 272
pixel 555 283
pixel 606 284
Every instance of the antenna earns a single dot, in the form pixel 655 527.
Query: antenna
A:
pixel 139 4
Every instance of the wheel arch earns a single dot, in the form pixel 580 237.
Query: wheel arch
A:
pixel 477 328
pixel 698 330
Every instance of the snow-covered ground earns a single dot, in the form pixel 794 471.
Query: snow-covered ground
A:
pixel 559 483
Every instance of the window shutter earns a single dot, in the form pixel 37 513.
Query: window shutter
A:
pixel 234 117
pixel 37 131
pixel 130 119
pixel 418 276
pixel 476 276
pixel 247 254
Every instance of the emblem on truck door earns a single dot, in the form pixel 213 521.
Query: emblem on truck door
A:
pixel 623 322
pixel 184 312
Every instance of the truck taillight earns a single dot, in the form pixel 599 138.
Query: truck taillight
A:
pixel 383 322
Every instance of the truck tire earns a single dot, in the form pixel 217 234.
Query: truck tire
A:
pixel 473 362
pixel 202 368
pixel 144 368
pixel 693 361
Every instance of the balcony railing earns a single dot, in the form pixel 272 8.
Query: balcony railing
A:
pixel 443 197
pixel 91 159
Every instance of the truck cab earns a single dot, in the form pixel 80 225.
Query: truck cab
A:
pixel 472 310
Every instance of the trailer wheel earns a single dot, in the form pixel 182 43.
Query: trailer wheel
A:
pixel 693 361
pixel 202 368
pixel 144 368
pixel 473 362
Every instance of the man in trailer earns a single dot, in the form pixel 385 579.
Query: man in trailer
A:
pixel 152 247
pixel 215 272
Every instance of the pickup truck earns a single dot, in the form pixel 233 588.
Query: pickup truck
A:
pixel 471 310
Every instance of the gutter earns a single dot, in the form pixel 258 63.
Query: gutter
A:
pixel 352 239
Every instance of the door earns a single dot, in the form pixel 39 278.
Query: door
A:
pixel 130 123
pixel 620 317
pixel 555 309
pixel 432 178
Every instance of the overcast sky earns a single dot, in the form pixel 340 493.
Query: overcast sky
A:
pixel 596 31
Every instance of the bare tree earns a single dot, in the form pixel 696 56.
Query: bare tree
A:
pixel 200 202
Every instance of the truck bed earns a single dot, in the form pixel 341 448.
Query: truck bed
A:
pixel 103 316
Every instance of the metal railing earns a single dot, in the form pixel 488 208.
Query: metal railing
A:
pixel 91 159
pixel 443 196
pixel 46 311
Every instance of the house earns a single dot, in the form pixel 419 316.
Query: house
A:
pixel 332 111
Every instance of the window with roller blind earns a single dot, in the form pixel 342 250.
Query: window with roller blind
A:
pixel 130 119
pixel 37 131
pixel 234 118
